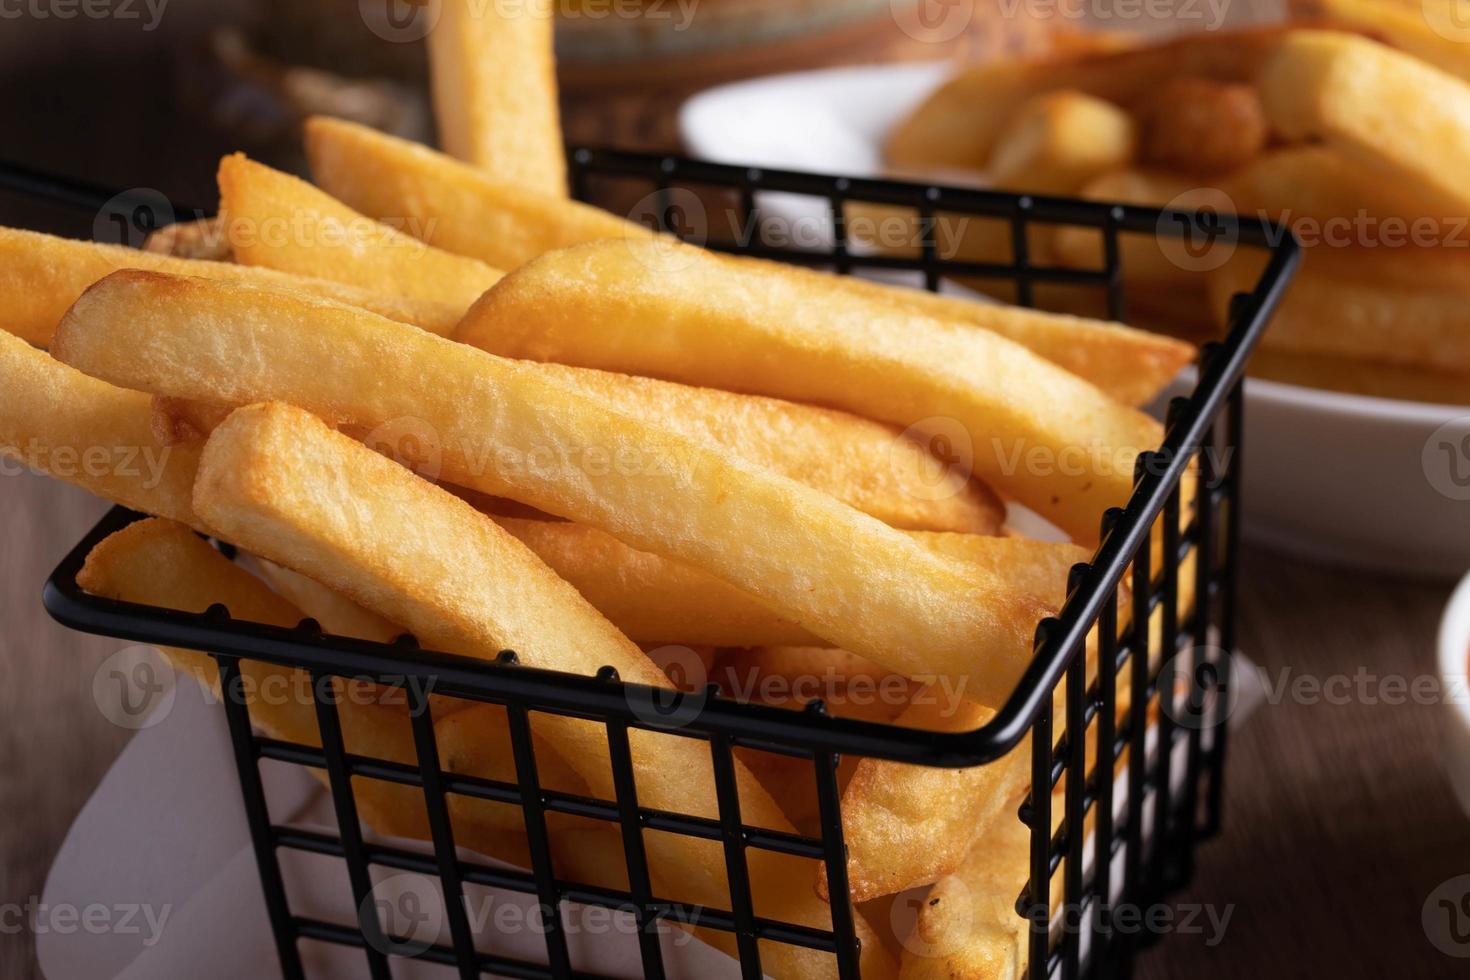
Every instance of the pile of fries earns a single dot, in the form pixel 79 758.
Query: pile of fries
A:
pixel 1352 129
pixel 434 396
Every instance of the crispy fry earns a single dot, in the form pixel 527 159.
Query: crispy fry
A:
pixel 499 427
pixel 204 238
pixel 1054 143
pixel 41 276
pixel 1200 126
pixel 1376 105
pixel 867 465
pixel 59 421
pixel 494 82
pixel 460 208
pixel 967 927
pixel 179 421
pixel 1146 260
pixel 1321 184
pixel 457 208
pixel 1366 316
pixel 661 310
pixel 1429 30
pixel 958 125
pixel 282 222
pixel 280 481
pixel 335 613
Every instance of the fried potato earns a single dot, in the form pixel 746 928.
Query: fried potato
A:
pixel 1147 260
pixel 41 276
pixel 58 421
pixel 1429 30
pixel 1200 126
pixel 282 222
pixel 179 421
pixel 493 75
pixel 1413 325
pixel 334 612
pixel 462 209
pixel 1361 377
pixel 502 428
pixel 203 238
pixel 1376 105
pixel 875 468
pixel 1055 143
pixel 1320 184
pixel 959 124
pixel 967 926
pixel 675 312
pixel 280 482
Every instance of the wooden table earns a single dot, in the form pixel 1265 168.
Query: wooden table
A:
pixel 1338 825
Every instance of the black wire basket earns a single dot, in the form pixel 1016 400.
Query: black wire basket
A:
pixel 1142 827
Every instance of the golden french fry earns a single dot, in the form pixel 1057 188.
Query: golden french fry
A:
pixel 495 97
pixel 1375 105
pixel 877 469
pixel 179 421
pixel 203 238
pixel 1055 143
pixel 958 125
pixel 1365 316
pixel 58 421
pixel 462 209
pixel 335 613
pixel 967 927
pixel 675 312
pixel 1361 377
pixel 1319 183
pixel 457 208
pixel 1202 126
pixel 279 481
pixel 1147 260
pixel 41 276
pixel 281 222
pixel 502 428
pixel 1429 30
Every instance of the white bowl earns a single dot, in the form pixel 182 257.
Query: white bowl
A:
pixel 1353 480
pixel 1454 674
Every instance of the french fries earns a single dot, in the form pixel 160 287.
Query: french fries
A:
pixel 60 422
pixel 1201 126
pixel 1054 143
pixel 967 926
pixel 776 334
pixel 282 222
pixel 457 208
pixel 1362 377
pixel 495 96
pixel 335 613
pixel 202 238
pixel 1429 30
pixel 503 429
pixel 1319 183
pixel 465 210
pixel 41 276
pixel 1376 105
pixel 415 554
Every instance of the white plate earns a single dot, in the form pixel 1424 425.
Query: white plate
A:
pixel 1365 482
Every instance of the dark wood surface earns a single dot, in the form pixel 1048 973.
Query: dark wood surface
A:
pixel 1338 825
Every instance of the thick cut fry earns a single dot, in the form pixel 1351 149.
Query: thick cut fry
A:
pixel 1320 184
pixel 1382 107
pixel 1430 30
pixel 1057 142
pixel 1365 317
pixel 41 276
pixel 495 98
pixel 1149 261
pixel 1033 431
pixel 462 209
pixel 335 613
pixel 502 428
pixel 967 926
pixel 58 421
pixel 455 207
pixel 282 222
pixel 872 467
pixel 280 482
pixel 958 125
pixel 1199 126
pixel 204 238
